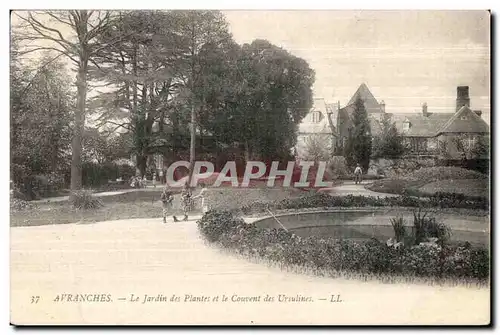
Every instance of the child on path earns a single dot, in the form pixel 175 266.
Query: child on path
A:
pixel 201 195
pixel 186 201
pixel 167 200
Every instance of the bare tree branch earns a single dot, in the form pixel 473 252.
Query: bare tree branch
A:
pixel 21 53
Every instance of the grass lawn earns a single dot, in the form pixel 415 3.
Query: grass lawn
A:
pixel 123 206
pixel 427 181
pixel 143 203
pixel 471 187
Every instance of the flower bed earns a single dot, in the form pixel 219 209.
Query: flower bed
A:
pixel 339 256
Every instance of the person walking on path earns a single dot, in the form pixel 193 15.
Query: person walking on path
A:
pixel 154 179
pixel 186 202
pixel 161 176
pixel 357 174
pixel 167 200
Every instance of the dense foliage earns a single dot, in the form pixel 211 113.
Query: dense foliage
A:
pixel 320 200
pixel 358 147
pixel 348 257
pixel 389 144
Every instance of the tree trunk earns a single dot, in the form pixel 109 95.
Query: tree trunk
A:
pixel 76 144
pixel 141 164
pixel 247 152
pixel 192 144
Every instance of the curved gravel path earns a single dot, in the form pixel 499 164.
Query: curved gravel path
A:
pixel 145 257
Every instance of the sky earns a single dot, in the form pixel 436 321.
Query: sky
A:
pixel 405 57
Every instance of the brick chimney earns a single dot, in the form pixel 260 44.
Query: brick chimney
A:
pixel 424 110
pixel 462 97
pixel 382 106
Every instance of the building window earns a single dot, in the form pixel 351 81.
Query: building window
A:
pixel 418 144
pixel 406 126
pixel 316 116
pixel 470 141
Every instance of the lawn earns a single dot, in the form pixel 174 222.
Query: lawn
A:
pixel 427 181
pixel 144 203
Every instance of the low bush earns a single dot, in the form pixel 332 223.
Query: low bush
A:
pixel 430 174
pixel 323 200
pixel 398 224
pixel 335 256
pixel 427 227
pixel 17 204
pixel 84 199
pixel 450 200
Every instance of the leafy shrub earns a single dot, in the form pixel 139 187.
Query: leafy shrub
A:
pixel 125 171
pixel 216 224
pixel 94 174
pixel 398 224
pixel 446 200
pixel 427 227
pixel 430 174
pixel 324 200
pixel 369 257
pixel 84 199
pixel 20 204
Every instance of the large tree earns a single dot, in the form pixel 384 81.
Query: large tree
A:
pixel 389 144
pixel 40 117
pixel 155 76
pixel 358 148
pixel 198 30
pixel 74 35
pixel 264 93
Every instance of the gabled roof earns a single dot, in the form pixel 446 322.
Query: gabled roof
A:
pixel 436 123
pixel 363 92
pixel 473 123
pixel 325 124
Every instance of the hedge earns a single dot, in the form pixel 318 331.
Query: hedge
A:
pixel 339 256
pixel 318 200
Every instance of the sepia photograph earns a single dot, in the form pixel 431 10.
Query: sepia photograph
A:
pixel 250 167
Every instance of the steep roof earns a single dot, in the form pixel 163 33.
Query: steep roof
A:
pixel 374 119
pixel 472 123
pixel 363 92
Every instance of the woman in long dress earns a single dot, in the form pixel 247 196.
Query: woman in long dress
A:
pixel 204 207
pixel 186 202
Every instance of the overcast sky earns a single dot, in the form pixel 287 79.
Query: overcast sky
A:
pixel 405 57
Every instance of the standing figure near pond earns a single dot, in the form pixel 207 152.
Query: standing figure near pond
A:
pixel 357 174
pixel 186 202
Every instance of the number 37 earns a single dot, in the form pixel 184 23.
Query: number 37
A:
pixel 34 299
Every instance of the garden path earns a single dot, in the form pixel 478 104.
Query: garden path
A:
pixel 143 256
pixel 349 188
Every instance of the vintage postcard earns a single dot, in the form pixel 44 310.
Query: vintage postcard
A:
pixel 189 167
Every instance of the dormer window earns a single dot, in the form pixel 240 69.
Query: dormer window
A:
pixel 406 125
pixel 316 116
